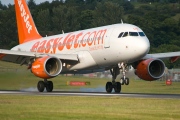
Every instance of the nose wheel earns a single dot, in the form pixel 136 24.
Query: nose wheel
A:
pixel 124 81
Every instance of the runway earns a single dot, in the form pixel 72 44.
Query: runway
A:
pixel 103 94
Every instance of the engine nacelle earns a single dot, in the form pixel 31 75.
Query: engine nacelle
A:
pixel 150 69
pixel 46 67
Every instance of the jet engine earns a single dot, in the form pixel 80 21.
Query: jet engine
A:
pixel 150 69
pixel 46 67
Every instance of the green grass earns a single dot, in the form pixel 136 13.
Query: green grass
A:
pixel 22 107
pixel 8 65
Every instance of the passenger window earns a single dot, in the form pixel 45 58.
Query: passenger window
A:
pixel 120 34
pixel 133 34
pixel 125 34
pixel 141 34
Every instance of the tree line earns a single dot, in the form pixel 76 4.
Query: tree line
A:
pixel 159 19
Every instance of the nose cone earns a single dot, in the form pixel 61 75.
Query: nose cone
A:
pixel 142 47
pixel 135 48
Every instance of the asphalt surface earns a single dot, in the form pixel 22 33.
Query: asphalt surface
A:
pixel 103 94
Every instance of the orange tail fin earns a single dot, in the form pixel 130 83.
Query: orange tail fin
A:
pixel 26 28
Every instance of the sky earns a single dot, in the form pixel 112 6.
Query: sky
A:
pixel 6 2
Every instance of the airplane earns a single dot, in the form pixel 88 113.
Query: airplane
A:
pixel 112 47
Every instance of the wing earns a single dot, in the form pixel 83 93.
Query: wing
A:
pixel 173 56
pixel 21 57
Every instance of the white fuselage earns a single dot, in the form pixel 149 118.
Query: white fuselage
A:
pixel 97 47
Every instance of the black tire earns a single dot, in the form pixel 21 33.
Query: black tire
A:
pixel 122 81
pixel 109 87
pixel 40 86
pixel 117 88
pixel 126 81
pixel 49 86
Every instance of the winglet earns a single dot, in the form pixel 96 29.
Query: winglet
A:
pixel 173 59
pixel 26 28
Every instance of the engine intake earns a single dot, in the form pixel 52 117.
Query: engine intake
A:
pixel 150 69
pixel 46 67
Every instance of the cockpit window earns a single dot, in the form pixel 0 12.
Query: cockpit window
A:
pixel 133 34
pixel 141 34
pixel 125 34
pixel 120 34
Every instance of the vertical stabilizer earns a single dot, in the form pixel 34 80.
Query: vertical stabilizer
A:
pixel 26 28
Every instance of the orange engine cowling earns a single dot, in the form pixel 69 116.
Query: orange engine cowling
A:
pixel 46 67
pixel 150 69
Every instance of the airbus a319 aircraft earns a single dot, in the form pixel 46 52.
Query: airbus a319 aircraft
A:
pixel 111 47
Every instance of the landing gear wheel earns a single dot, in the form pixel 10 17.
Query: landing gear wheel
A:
pixel 122 81
pixel 126 81
pixel 40 86
pixel 49 86
pixel 117 87
pixel 109 87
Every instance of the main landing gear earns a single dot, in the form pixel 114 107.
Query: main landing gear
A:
pixel 45 84
pixel 115 71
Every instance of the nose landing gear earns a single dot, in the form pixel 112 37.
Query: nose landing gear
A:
pixel 124 80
